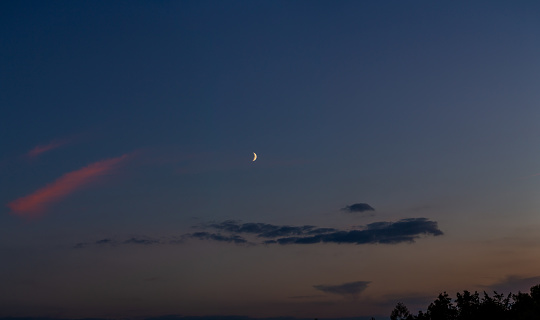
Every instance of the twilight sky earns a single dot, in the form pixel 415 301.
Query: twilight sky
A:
pixel 397 145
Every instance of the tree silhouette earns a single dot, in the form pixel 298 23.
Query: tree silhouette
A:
pixel 400 312
pixel 442 308
pixel 470 306
pixel 496 307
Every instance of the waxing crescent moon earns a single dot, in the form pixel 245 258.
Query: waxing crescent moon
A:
pixel 254 156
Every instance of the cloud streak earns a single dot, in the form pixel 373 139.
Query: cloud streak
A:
pixel 38 150
pixel 266 230
pixel 348 290
pixel 148 241
pixel 102 242
pixel 217 237
pixel 36 203
pixel 145 241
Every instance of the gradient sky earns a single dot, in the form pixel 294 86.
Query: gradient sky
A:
pixel 128 130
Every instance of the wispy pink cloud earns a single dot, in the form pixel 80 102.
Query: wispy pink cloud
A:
pixel 47 147
pixel 530 176
pixel 36 203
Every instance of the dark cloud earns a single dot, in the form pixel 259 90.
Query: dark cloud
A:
pixel 405 230
pixel 111 242
pixel 349 289
pixel 217 237
pixel 265 230
pixel 102 242
pixel 142 241
pixel 174 241
pixel 321 230
pixel 106 241
pixel 358 207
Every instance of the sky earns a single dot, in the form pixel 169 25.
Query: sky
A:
pixel 396 141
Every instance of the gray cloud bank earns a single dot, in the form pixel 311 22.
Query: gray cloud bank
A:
pixel 405 230
pixel 383 232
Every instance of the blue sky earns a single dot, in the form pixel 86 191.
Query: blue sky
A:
pixel 128 131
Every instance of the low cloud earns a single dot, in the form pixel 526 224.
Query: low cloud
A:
pixel 34 204
pixel 102 242
pixel 112 242
pixel 265 230
pixel 358 207
pixel 405 230
pixel 216 237
pixel 143 241
pixel 348 290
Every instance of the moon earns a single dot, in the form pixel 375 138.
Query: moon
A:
pixel 254 156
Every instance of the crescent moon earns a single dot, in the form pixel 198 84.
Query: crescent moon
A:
pixel 254 156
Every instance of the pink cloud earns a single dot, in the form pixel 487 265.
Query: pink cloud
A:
pixel 36 203
pixel 47 147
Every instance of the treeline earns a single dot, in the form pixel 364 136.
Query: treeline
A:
pixel 475 306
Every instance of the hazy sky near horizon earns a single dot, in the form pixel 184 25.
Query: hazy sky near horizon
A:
pixel 397 145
